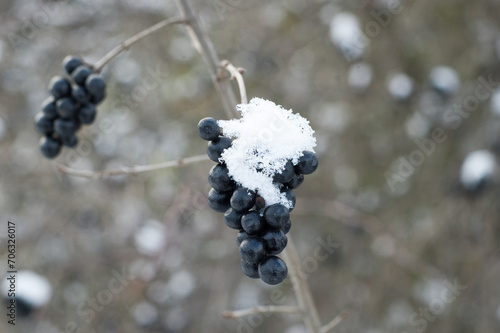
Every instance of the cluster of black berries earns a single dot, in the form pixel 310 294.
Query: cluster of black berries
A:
pixel 72 103
pixel 262 230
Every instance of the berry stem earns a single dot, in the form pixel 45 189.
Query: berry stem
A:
pixel 125 45
pixel 131 170
pixel 301 289
pixel 335 321
pixel 236 73
pixel 261 309
pixel 204 46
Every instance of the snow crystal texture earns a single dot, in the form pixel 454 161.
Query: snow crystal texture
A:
pixel 264 138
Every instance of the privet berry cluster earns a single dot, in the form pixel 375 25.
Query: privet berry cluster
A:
pixel 262 228
pixel 72 103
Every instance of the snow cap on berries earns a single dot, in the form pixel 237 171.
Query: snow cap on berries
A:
pixel 265 137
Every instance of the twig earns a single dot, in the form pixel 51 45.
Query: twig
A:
pixel 301 289
pixel 205 47
pixel 337 320
pixel 236 74
pixel 125 45
pixel 131 170
pixel 261 309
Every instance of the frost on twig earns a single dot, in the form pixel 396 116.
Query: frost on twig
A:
pixel 130 170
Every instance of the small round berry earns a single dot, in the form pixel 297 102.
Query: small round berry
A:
pixel 252 223
pixel 217 146
pixel 286 228
pixel 59 87
pixel 252 250
pixel 80 74
pixel 219 201
pixel 69 141
pixel 308 163
pixel 79 94
pixel 208 129
pixel 275 241
pixel 242 235
pixel 66 108
pixel 286 175
pixel 219 178
pixel 87 114
pixel 272 270
pixel 296 181
pixel 98 98
pixel 260 202
pixel 95 84
pixel 70 63
pixel 233 219
pixel 49 107
pixel 290 195
pixel 250 269
pixel 276 216
pixel 65 127
pixel 49 147
pixel 43 124
pixel 242 199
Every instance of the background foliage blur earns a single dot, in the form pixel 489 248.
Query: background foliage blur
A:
pixel 398 236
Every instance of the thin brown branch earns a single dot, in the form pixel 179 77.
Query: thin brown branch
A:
pixel 335 321
pixel 301 289
pixel 125 45
pixel 205 47
pixel 261 309
pixel 134 170
pixel 236 73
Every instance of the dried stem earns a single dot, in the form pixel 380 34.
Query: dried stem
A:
pixel 125 45
pixel 205 47
pixel 236 73
pixel 301 289
pixel 134 170
pixel 337 320
pixel 261 309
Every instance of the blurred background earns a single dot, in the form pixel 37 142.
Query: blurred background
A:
pixel 403 210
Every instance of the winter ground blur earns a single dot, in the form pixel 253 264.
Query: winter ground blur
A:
pixel 399 93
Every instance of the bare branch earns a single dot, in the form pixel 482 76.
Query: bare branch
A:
pixel 125 45
pixel 134 170
pixel 301 289
pixel 261 309
pixel 236 73
pixel 205 47
pixel 337 320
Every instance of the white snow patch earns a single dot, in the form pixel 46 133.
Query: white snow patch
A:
pixel 444 79
pixel 150 238
pixel 400 86
pixel 477 167
pixel 265 137
pixel 346 34
pixel 34 289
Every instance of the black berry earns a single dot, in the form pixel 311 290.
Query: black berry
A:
pixel 275 241
pixel 242 235
pixel 49 147
pixel 272 270
pixel 49 107
pixel 286 175
pixel 250 269
pixel 95 85
pixel 276 216
pixel 286 228
pixel 69 141
pixel 217 146
pixel 219 201
pixel 252 223
pixel 252 250
pixel 296 181
pixel 290 195
pixel 70 63
pixel 65 127
pixel 66 108
pixel 43 124
pixel 79 94
pixel 80 74
pixel 233 219
pixel 59 87
pixel 208 129
pixel 219 178
pixel 242 199
pixel 308 163
pixel 87 114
